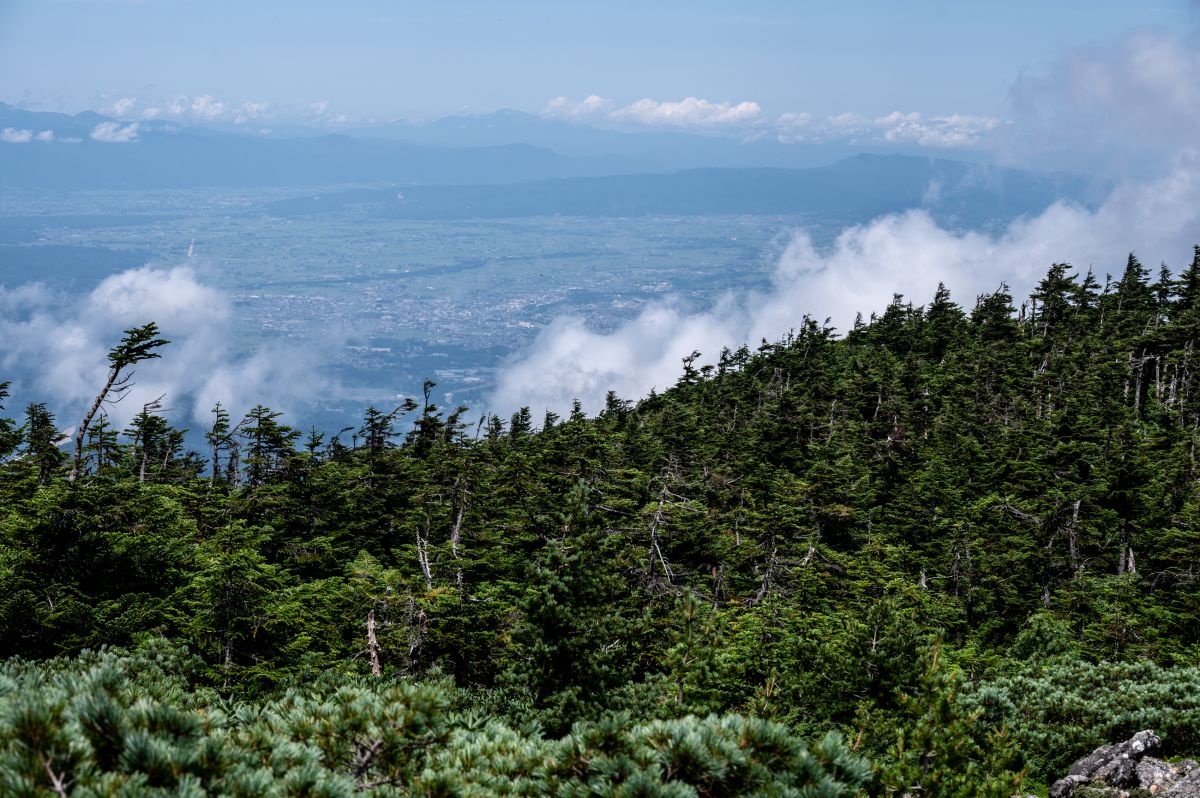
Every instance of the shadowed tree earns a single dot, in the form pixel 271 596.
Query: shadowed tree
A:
pixel 103 447
pixel 42 442
pixel 10 437
pixel 268 444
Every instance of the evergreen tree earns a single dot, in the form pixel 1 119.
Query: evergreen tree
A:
pixel 42 442
pixel 10 437
pixel 269 444
pixel 572 638
pixel 941 751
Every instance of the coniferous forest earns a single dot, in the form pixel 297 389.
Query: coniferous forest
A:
pixel 944 553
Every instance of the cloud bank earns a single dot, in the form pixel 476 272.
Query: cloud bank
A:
pixel 1156 216
pixel 1128 107
pixel 55 349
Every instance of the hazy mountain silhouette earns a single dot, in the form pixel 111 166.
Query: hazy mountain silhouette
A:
pixel 503 147
pixel 859 187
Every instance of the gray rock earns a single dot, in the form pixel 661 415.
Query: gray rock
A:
pixel 1158 777
pixel 1117 771
pixel 1109 765
pixel 1188 786
pixel 1065 787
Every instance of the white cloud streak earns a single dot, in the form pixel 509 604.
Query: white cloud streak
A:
pixel 14 136
pixel 200 109
pixel 747 118
pixel 953 131
pixel 208 110
pixel 122 107
pixel 115 133
pixel 688 113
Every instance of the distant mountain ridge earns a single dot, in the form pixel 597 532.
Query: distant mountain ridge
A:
pixel 63 125
pixel 502 147
pixel 167 155
pixel 859 187
pixel 644 150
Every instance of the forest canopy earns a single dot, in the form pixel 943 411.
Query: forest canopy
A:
pixel 953 549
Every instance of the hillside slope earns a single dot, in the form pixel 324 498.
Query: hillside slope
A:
pixel 785 532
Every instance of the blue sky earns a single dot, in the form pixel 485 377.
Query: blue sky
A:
pixel 385 60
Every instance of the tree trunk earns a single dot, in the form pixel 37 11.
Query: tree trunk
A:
pixel 373 644
pixel 655 551
pixel 77 462
pixel 423 560
pixel 1072 537
pixel 456 536
pixel 764 589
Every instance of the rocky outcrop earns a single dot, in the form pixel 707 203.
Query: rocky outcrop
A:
pixel 1128 770
pixel 1169 778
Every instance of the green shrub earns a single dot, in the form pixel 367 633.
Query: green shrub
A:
pixel 1061 710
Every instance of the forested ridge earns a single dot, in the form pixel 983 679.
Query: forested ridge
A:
pixel 945 553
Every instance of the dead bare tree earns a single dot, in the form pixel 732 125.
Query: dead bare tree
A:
pixel 456 529
pixel 143 423
pixel 373 644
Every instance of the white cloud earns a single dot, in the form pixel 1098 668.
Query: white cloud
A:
pixel 207 107
pixel 13 136
pixel 794 127
pixel 115 133
pixel 20 136
pixel 797 120
pixel 251 111
pixel 1126 107
pixel 56 346
pixel 690 112
pixel 746 119
pixel 955 130
pixel 846 121
pixel 321 113
pixel 565 107
pixel 200 109
pixel 122 106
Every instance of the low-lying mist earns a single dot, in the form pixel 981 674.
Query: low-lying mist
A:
pixel 55 345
